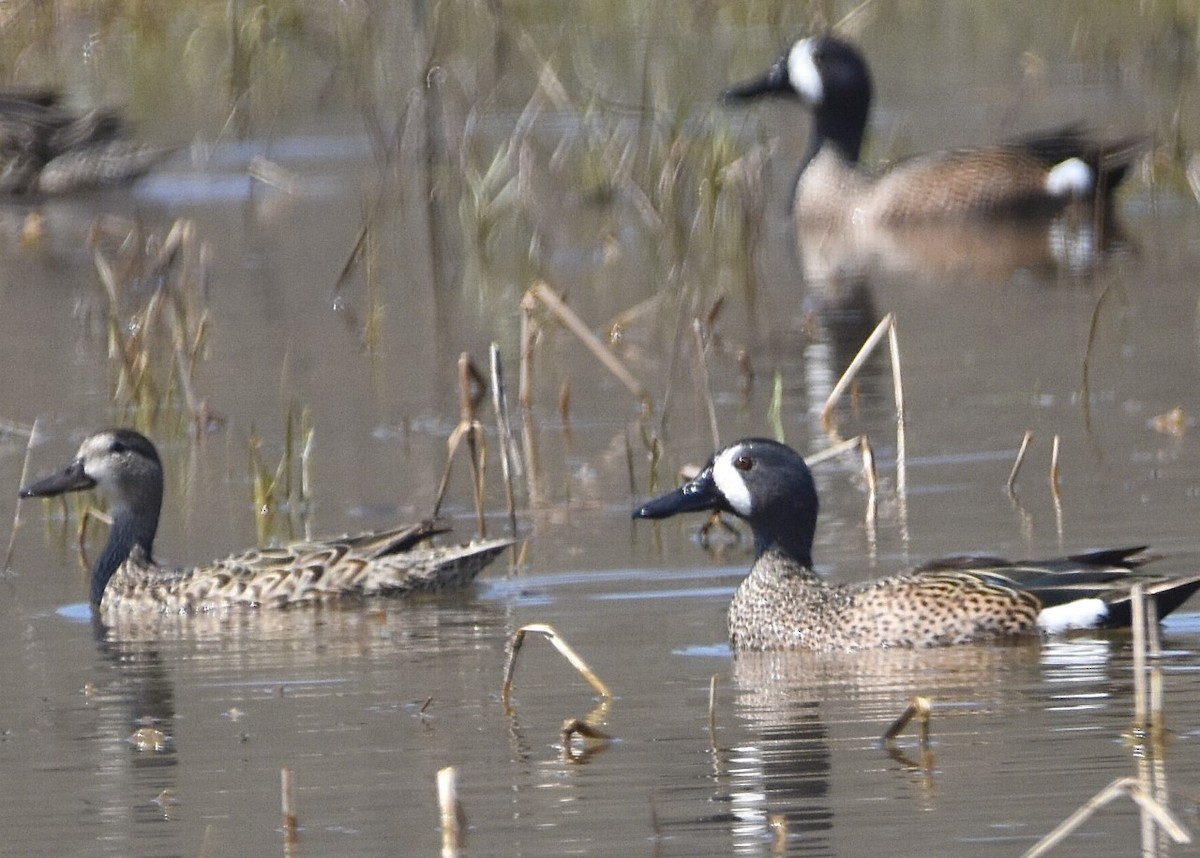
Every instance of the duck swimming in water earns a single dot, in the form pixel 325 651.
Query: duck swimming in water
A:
pixel 783 604
pixel 124 466
pixel 1035 176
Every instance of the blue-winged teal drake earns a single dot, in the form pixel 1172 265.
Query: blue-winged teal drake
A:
pixel 124 465
pixel 46 148
pixel 1038 175
pixel 784 604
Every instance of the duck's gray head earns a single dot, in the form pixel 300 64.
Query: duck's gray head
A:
pixel 125 467
pixel 761 481
pixel 830 76
pixel 122 464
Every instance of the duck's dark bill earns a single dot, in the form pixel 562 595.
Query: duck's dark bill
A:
pixel 70 479
pixel 774 82
pixel 700 494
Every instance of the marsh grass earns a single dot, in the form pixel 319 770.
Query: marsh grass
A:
pixel 282 495
pixel 156 320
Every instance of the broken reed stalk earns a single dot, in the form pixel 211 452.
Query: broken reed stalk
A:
pixel 504 432
pixel 287 790
pixel 702 383
pixel 919 707
pixel 775 409
pixel 1154 650
pixel 633 492
pixel 1016 468
pixel 555 304
pixel 712 712
pixel 1121 786
pixel 450 811
pixel 573 727
pixel 886 327
pixel 834 450
pixel 868 463
pixel 1054 468
pixel 470 387
pixel 514 646
pixel 530 330
pixel 1137 602
pixel 12 536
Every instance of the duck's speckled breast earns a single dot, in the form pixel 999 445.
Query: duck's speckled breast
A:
pixel 782 606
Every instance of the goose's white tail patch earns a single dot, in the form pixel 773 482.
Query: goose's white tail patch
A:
pixel 1070 178
pixel 1080 614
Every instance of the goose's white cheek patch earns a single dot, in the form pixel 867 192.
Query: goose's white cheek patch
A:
pixel 803 74
pixel 730 483
pixel 1080 614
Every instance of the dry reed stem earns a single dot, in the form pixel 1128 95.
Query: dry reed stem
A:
pixel 1016 468
pixel 12 536
pixel 287 790
pixel 886 327
pixel 551 300
pixel 868 464
pixel 1137 602
pixel 700 365
pixel 1124 785
pixel 504 433
pixel 471 429
pixel 712 712
pixel 1054 472
pixel 450 811
pixel 629 467
pixel 573 727
pixel 777 824
pixel 919 707
pixel 89 512
pixel 561 645
pixel 834 450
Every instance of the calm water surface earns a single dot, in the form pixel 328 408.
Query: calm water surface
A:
pixel 553 139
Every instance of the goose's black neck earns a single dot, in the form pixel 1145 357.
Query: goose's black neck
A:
pixel 842 126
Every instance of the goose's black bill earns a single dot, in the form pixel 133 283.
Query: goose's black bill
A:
pixel 699 494
pixel 72 478
pixel 774 82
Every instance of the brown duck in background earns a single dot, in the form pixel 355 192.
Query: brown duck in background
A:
pixel 783 604
pixel 125 466
pixel 1034 176
pixel 1041 204
pixel 49 149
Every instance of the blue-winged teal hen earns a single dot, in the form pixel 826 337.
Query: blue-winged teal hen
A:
pixel 124 465
pixel 1038 175
pixel 46 148
pixel 784 604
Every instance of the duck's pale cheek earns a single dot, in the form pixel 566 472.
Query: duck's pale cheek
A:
pixel 803 74
pixel 730 483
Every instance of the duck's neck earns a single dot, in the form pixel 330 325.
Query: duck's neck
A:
pixel 842 130
pixel 130 531
pixel 797 547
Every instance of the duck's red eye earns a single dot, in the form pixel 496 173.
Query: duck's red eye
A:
pixel 743 462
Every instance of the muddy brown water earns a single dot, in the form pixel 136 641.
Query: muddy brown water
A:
pixel 365 704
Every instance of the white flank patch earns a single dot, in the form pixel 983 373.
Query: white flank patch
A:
pixel 803 73
pixel 730 483
pixel 1071 177
pixel 1080 614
